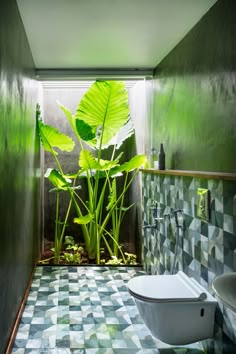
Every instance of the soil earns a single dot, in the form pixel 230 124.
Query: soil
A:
pixel 47 257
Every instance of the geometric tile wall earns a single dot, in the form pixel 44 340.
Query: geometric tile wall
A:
pixel 203 249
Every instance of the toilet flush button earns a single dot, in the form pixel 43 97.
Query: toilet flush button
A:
pixel 203 204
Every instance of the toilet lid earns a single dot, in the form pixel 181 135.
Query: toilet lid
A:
pixel 162 288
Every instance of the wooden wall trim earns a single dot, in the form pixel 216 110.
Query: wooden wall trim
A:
pixel 19 314
pixel 198 174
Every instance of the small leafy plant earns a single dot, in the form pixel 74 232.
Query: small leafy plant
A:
pixel 101 122
pixel 128 259
pixel 75 254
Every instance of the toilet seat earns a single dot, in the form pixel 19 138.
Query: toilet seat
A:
pixel 166 288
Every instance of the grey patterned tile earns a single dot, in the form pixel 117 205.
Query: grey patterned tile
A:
pixel 83 310
pixel 207 249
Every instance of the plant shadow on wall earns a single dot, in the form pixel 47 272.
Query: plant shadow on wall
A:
pixel 100 124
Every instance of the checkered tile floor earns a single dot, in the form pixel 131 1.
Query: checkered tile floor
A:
pixel 85 310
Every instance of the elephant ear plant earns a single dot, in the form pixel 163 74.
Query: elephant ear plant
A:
pixel 101 121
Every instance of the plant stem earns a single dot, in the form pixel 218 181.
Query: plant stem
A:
pixel 119 217
pixel 56 229
pixel 84 227
pixel 64 225
pixel 118 200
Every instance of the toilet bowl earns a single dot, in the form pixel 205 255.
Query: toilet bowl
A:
pixel 175 308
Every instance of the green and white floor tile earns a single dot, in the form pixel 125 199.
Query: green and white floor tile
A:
pixel 86 310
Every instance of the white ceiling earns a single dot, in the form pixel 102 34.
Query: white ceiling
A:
pixel 105 34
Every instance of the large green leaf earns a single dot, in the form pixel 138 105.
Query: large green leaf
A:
pixel 83 220
pixel 57 179
pixel 68 114
pixel 106 165
pixel 85 132
pixel 88 162
pixel 124 133
pixel 51 138
pixel 104 108
pixel 80 127
pixel 136 162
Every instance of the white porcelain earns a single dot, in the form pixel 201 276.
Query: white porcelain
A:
pixel 175 308
pixel 225 288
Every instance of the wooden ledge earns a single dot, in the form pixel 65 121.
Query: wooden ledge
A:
pixel 199 174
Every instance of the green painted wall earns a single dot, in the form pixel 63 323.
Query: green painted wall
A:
pixel 19 162
pixel 194 105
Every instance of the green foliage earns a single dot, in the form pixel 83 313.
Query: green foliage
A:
pixel 51 137
pixel 105 109
pixel 72 257
pixel 85 219
pixel 101 120
pixel 129 259
pixel 69 241
pixel 75 251
pixel 59 181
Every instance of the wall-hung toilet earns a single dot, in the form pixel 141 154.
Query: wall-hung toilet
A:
pixel 176 309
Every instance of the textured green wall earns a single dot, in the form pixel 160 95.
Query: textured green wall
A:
pixel 19 162
pixel 195 96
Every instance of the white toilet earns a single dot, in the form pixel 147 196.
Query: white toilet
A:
pixel 176 309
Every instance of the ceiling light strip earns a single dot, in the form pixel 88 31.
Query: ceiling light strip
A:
pixel 86 74
pixel 81 84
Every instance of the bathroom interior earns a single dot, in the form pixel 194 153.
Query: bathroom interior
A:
pixel 178 60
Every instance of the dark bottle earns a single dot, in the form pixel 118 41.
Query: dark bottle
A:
pixel 161 158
